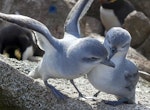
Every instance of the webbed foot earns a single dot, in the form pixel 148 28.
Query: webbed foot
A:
pixel 56 92
pixel 116 103
pixel 96 94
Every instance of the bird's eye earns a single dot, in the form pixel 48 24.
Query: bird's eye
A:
pixel 90 59
pixel 113 50
pixel 93 58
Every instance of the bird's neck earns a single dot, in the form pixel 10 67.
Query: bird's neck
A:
pixel 114 5
pixel 118 58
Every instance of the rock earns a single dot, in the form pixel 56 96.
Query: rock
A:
pixel 144 48
pixel 142 5
pixel 139 27
pixel 145 75
pixel 91 25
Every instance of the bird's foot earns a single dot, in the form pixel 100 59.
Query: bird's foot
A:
pixel 116 103
pixel 81 95
pixel 57 93
pixel 84 97
pixel 96 94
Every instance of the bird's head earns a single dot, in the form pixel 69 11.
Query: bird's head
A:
pixel 117 40
pixel 89 52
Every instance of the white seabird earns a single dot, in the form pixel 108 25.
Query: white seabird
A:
pixel 120 81
pixel 68 58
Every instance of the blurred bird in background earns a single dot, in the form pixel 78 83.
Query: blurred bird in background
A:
pixel 114 12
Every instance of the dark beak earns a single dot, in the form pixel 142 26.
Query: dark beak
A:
pixel 108 63
pixel 110 56
pixel 112 52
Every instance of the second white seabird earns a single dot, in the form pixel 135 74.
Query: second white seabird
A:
pixel 120 81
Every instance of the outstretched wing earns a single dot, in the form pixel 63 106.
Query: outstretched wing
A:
pixel 33 24
pixel 76 13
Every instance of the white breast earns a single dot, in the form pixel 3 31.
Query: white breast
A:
pixel 101 77
pixel 107 79
pixel 108 18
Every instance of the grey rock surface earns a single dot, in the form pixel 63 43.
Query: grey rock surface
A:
pixel 139 27
pixel 144 48
pixel 142 5
pixel 91 25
